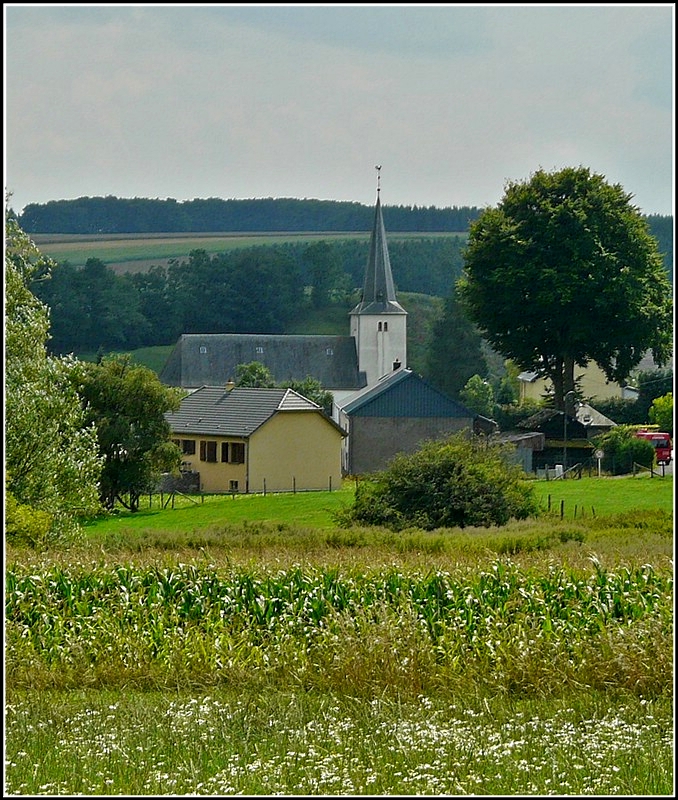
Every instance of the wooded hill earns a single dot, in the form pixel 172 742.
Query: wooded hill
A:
pixel 115 215
pixel 110 214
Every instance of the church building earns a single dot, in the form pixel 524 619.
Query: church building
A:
pixel 343 365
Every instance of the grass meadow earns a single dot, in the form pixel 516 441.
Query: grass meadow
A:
pixel 249 645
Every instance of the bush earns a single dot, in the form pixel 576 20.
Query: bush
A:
pixel 457 482
pixel 24 524
pixel 622 449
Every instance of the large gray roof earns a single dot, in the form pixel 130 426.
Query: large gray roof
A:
pixel 216 411
pixel 210 359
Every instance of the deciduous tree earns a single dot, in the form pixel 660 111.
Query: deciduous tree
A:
pixel 51 460
pixel 127 404
pixel 563 272
pixel 661 413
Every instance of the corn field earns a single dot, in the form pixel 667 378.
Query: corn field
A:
pixel 505 627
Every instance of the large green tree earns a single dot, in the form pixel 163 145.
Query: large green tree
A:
pixel 563 272
pixel 51 460
pixel 127 404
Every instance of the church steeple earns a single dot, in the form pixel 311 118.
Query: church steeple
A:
pixel 379 296
pixel 379 322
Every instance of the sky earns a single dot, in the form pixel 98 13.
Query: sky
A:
pixel 453 101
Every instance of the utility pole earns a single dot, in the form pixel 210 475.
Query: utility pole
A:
pixel 569 395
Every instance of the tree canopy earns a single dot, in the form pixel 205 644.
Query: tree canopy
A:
pixel 563 272
pixel 455 353
pixel 51 460
pixel 127 404
pixel 256 375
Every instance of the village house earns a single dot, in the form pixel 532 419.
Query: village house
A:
pixel 591 381
pixel 256 440
pixel 568 438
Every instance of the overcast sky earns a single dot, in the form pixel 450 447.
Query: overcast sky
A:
pixel 242 101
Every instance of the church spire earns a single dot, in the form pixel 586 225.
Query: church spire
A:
pixel 379 296
pixel 379 322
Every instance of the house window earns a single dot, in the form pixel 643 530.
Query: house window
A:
pixel 379 326
pixel 329 352
pixel 237 453
pixel 224 452
pixel 208 451
pixel 386 326
pixel 233 486
pixel 203 349
pixel 188 447
pixel 259 349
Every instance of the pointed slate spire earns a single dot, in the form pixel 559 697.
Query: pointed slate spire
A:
pixel 379 296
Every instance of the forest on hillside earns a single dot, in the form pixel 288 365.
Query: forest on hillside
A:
pixel 116 215
pixel 101 215
pixel 259 289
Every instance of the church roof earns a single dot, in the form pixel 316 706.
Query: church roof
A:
pixel 379 296
pixel 210 359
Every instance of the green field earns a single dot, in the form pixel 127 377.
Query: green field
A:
pixel 139 252
pixel 248 645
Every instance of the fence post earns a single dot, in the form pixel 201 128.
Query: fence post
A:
pixel 264 487
pixel 562 509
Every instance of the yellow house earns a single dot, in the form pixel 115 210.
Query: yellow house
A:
pixel 257 440
pixel 592 380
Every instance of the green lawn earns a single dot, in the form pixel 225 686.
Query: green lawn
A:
pixel 590 496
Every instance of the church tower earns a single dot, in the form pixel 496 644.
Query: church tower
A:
pixel 379 322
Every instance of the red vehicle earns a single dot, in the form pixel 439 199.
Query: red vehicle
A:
pixel 661 443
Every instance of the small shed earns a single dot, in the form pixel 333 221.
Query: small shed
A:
pixel 566 436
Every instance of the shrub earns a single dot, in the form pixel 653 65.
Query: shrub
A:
pixel 622 449
pixel 457 482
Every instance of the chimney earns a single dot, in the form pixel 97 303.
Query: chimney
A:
pixel 230 384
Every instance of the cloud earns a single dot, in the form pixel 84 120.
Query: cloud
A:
pixel 240 101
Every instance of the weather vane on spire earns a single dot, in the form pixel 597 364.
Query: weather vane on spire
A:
pixel 378 168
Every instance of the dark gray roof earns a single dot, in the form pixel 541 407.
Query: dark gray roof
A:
pixel 584 414
pixel 216 411
pixel 403 393
pixel 210 359
pixel 379 296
